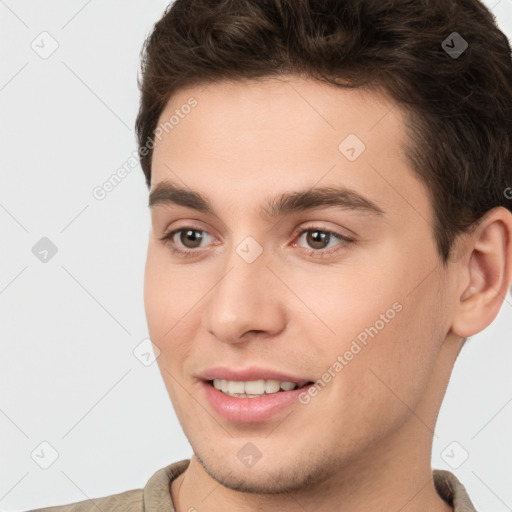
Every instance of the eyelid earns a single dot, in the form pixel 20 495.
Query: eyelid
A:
pixel 315 226
pixel 169 235
pixel 343 242
pixel 319 226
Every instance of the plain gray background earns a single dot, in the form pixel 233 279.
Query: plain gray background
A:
pixel 78 394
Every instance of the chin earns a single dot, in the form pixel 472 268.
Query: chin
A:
pixel 273 476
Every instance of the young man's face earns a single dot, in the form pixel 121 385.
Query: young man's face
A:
pixel 369 319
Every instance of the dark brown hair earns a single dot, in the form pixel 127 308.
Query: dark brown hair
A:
pixel 459 108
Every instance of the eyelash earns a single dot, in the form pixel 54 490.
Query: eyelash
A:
pixel 316 253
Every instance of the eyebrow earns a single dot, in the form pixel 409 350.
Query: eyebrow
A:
pixel 321 197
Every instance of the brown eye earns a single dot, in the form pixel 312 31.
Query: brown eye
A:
pixel 318 239
pixel 322 242
pixel 190 239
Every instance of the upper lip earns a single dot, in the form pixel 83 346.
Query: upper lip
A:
pixel 249 374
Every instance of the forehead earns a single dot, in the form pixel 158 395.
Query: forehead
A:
pixel 271 134
pixel 285 101
pixel 282 112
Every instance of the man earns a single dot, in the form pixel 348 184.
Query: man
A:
pixel 331 220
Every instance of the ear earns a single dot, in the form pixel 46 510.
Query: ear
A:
pixel 485 273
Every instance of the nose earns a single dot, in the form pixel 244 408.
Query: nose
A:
pixel 245 301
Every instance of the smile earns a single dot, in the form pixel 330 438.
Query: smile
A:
pixel 254 388
pixel 253 401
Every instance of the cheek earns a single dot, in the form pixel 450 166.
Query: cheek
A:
pixel 155 283
pixel 398 366
pixel 169 305
pixel 386 330
pixel 165 289
pixel 337 304
pixel 163 297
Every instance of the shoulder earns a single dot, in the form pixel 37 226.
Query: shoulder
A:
pixel 451 489
pixel 154 496
pixel 127 501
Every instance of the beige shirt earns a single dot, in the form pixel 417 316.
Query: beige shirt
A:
pixel 156 497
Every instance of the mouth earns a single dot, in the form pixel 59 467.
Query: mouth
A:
pixel 255 388
pixel 252 401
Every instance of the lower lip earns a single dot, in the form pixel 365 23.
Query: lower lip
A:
pixel 250 410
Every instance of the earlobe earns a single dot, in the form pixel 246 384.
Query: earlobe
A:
pixel 487 273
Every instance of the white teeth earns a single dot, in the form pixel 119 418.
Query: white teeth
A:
pixel 235 387
pixel 286 386
pixel 253 388
pixel 272 386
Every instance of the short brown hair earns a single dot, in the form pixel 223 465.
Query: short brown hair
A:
pixel 459 108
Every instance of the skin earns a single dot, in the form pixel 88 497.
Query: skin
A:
pixel 364 442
